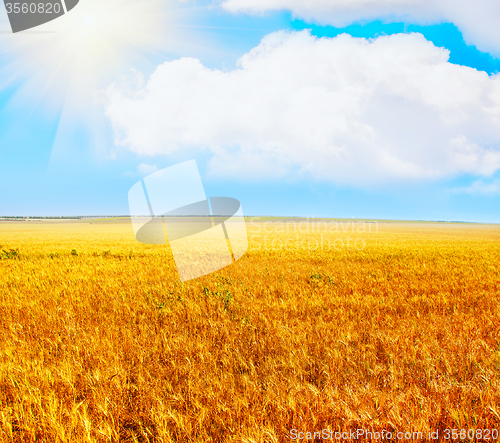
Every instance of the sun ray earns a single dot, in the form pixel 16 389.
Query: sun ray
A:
pixel 64 63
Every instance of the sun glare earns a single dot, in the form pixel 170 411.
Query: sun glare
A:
pixel 82 51
pixel 61 67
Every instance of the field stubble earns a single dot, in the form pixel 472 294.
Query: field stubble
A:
pixel 100 342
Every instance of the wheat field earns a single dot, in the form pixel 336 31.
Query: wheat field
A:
pixel 383 327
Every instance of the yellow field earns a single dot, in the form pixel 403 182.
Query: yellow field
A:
pixel 100 342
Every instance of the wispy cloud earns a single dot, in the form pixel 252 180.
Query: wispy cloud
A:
pixel 143 170
pixel 482 187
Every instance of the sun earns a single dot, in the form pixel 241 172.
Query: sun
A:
pixel 61 68
pixel 82 51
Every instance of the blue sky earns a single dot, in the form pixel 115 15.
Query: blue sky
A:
pixel 72 141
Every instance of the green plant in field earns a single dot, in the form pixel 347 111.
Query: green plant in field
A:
pixel 73 252
pixel 224 294
pixel 11 254
pixel 318 278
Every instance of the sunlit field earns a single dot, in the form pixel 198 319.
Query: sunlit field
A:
pixel 381 326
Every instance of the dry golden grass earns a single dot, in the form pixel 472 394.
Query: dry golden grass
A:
pixel 105 344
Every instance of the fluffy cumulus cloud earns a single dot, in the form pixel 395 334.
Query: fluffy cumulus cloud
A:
pixel 478 20
pixel 348 110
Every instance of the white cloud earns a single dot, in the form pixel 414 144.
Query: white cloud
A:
pixel 146 169
pixel 353 111
pixel 143 170
pixel 482 187
pixel 477 20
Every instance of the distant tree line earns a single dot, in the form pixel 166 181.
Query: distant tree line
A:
pixel 17 217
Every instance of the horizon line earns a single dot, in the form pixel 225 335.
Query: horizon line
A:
pixel 308 218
